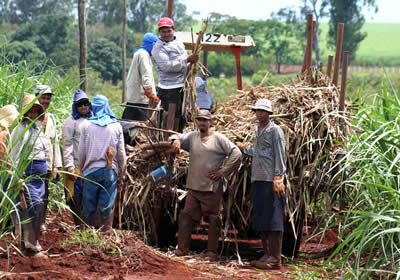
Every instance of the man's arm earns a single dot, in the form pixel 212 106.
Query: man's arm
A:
pixel 279 152
pixel 121 154
pixel 68 148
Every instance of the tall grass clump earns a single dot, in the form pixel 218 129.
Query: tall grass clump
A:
pixel 370 223
pixel 16 80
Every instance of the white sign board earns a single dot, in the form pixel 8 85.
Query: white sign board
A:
pixel 216 42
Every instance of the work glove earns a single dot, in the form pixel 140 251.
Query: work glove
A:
pixel 278 188
pixel 149 93
pixel 240 145
pixel 193 58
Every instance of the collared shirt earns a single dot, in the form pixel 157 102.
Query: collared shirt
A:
pixel 268 152
pixel 54 158
pixel 207 155
pixel 140 77
pixel 70 136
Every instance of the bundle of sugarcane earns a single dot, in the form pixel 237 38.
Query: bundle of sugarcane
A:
pixel 189 88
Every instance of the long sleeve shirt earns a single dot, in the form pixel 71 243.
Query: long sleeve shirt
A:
pixel 206 155
pixel 70 139
pixel 268 152
pixel 171 61
pixel 140 77
pixel 29 143
pixel 54 159
pixel 93 144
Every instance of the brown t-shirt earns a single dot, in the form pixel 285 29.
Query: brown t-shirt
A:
pixel 207 155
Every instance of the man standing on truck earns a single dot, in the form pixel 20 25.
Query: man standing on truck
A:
pixel 208 151
pixel 267 171
pixel 172 63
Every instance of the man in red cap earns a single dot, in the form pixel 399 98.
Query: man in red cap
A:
pixel 172 62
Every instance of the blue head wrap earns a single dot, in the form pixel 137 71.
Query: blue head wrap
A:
pixel 149 39
pixel 80 94
pixel 102 111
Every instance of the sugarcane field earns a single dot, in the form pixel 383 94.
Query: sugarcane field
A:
pixel 186 140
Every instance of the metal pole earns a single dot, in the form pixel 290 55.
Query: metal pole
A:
pixel 339 42
pixel 329 70
pixel 344 81
pixel 170 8
pixel 236 52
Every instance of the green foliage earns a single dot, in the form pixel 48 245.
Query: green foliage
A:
pixel 104 57
pixel 24 50
pixel 371 223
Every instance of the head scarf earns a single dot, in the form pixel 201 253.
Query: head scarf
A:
pixel 80 94
pixel 102 111
pixel 149 39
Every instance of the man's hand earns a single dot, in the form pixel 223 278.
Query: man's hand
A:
pixel 278 188
pixel 215 175
pixel 120 185
pixel 149 93
pixel 56 175
pixel 193 58
pixel 72 176
pixel 140 124
pixel 176 146
pixel 240 145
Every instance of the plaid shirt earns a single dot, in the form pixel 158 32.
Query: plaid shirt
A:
pixel 268 152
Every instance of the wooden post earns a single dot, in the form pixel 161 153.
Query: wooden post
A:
pixel 171 116
pixel 339 42
pixel 123 43
pixel 236 52
pixel 170 8
pixel 309 42
pixel 321 66
pixel 310 50
pixel 82 45
pixel 329 69
pixel 344 81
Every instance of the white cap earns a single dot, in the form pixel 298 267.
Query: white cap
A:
pixel 43 89
pixel 263 104
pixel 198 82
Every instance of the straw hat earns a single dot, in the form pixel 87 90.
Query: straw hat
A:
pixel 8 114
pixel 28 99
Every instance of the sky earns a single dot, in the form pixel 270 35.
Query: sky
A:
pixel 388 10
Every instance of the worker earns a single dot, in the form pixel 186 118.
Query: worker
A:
pixel 267 171
pixel 8 114
pixel 32 146
pixel 140 85
pixel 49 126
pixel 172 63
pixel 102 160
pixel 207 152
pixel 204 100
pixel 81 110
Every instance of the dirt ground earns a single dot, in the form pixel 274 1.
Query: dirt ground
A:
pixel 132 259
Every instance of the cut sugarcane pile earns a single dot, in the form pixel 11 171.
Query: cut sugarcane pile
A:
pixel 315 133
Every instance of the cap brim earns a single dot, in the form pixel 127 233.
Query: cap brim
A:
pixel 254 108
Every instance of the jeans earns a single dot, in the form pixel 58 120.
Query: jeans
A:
pixel 101 195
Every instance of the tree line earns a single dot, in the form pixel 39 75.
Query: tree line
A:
pixel 46 32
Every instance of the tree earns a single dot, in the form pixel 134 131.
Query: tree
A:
pixel 82 45
pixel 25 50
pixel 104 57
pixel 348 12
pixel 281 41
pixel 123 43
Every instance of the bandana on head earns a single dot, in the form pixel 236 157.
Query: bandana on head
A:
pixel 80 94
pixel 149 39
pixel 102 111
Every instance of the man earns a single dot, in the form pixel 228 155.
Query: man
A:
pixel 208 151
pixel 140 85
pixel 172 62
pixel 49 126
pixel 204 99
pixel 102 159
pixel 268 169
pixel 81 110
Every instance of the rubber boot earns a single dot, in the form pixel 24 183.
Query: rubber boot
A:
pixel 214 231
pixel 265 244
pixel 184 234
pixel 106 223
pixel 76 207
pixel 43 226
pixel 275 247
pixel 33 246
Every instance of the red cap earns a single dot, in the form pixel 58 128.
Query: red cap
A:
pixel 165 22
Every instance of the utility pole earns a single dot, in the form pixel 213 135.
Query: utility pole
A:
pixel 123 42
pixel 82 45
pixel 170 8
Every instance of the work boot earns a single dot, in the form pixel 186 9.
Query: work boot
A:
pixel 106 223
pixel 275 246
pixel 184 234
pixel 76 207
pixel 32 244
pixel 214 230
pixel 265 244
